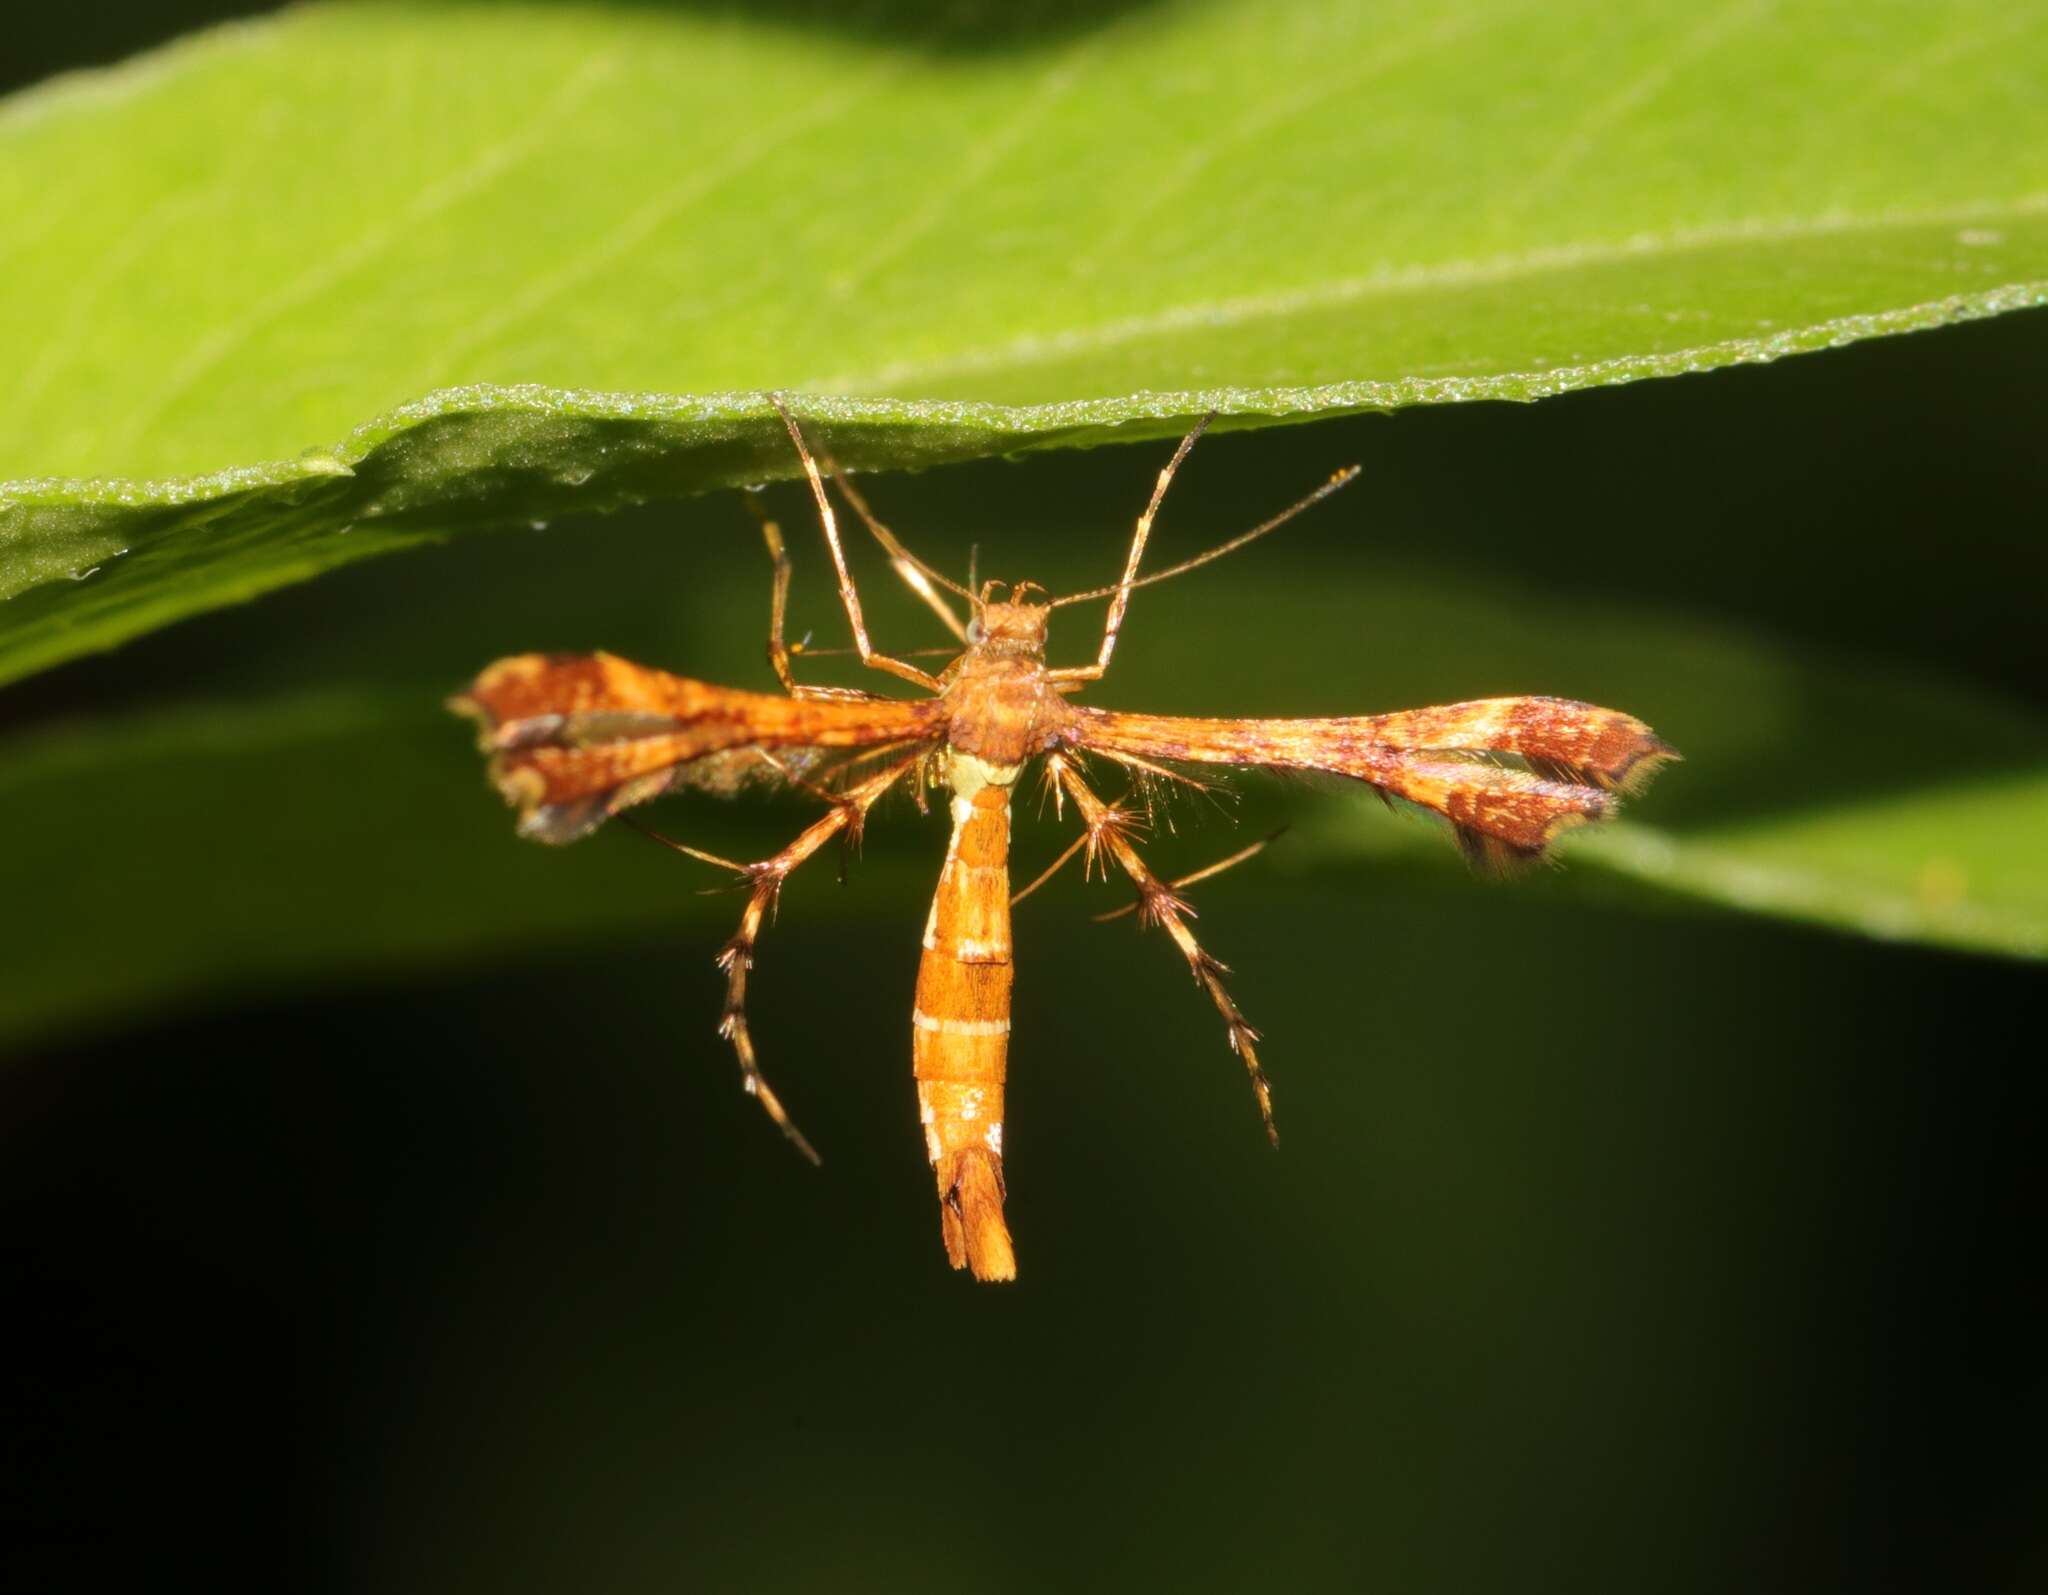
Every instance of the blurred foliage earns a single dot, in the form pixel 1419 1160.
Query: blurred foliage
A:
pixel 1613 1241
pixel 376 846
pixel 1876 766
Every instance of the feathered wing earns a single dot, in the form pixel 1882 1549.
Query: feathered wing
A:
pixel 575 738
pixel 1510 774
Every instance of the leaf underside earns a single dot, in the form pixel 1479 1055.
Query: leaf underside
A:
pixel 958 238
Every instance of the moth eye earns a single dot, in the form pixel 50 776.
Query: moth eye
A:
pixel 974 629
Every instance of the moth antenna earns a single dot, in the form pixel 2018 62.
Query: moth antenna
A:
pixel 1342 479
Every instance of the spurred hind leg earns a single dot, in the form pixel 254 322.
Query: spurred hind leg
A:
pixel 764 882
pixel 1109 832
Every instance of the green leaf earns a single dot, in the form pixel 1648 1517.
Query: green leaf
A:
pixel 186 854
pixel 1068 228
pixel 1962 865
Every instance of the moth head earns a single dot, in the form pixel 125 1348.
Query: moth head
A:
pixel 1011 628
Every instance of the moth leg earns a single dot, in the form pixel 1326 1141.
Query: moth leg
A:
pixel 847 594
pixel 1121 600
pixel 1068 677
pixel 764 882
pixel 1108 832
pixel 919 577
pixel 779 652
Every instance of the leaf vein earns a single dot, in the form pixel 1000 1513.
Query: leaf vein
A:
pixel 1262 119
pixel 983 157
pixel 487 166
pixel 1602 119
pixel 673 201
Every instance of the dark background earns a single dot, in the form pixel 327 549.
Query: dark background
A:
pixel 1614 1244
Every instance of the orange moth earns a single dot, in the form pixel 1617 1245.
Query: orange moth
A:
pixel 576 739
